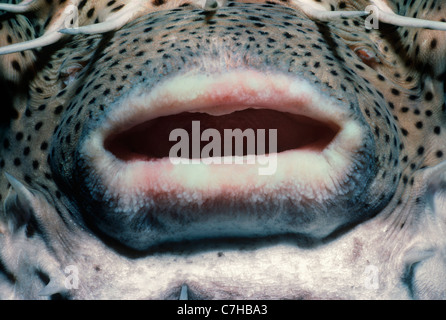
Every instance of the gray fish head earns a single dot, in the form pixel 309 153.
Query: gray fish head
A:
pixel 221 149
pixel 144 89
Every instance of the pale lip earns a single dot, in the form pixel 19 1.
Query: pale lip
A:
pixel 311 172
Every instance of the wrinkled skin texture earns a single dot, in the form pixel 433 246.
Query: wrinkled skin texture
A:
pixel 384 237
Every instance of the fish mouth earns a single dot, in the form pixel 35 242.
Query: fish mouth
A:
pixel 159 165
pixel 151 140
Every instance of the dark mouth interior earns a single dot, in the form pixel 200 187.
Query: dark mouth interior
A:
pixel 150 140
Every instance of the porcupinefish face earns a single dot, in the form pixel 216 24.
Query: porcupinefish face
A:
pixel 173 144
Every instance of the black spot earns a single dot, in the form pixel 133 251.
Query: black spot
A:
pixel 395 92
pixel 82 4
pixel 420 151
pixel 434 43
pixel 90 13
pixel 17 162
pixel 38 125
pixel 60 296
pixel 405 179
pixel 429 96
pixel 16 66
pixel 44 146
pixel 61 93
pixel 8 274
pixel 43 276
pixel 58 109
pixel 6 144
pixel 118 8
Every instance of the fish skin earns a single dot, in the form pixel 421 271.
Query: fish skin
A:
pixel 394 86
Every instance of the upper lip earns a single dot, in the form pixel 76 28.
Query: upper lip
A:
pixel 223 94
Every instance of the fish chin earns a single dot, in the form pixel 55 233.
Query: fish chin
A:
pixel 305 179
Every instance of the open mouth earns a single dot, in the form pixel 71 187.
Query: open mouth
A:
pixel 269 154
pixel 151 139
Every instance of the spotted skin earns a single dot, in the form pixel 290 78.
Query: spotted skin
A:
pixel 392 79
